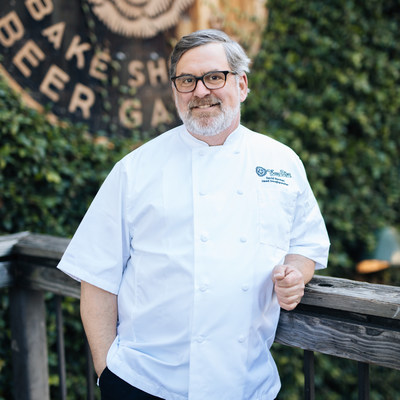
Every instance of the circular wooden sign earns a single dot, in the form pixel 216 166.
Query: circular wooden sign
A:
pixel 101 62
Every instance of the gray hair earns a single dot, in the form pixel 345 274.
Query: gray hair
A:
pixel 236 56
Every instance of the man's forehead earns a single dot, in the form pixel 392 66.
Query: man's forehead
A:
pixel 203 59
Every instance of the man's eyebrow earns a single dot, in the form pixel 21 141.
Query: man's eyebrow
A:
pixel 205 72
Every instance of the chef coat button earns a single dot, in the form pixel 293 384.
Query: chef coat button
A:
pixel 203 287
pixel 201 153
pixel 201 193
pixel 245 287
pixel 204 237
pixel 200 339
pixel 236 152
pixel 243 239
pixel 241 339
pixel 239 191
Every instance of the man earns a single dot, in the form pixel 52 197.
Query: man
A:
pixel 193 243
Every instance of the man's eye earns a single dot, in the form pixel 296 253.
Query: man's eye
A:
pixel 214 77
pixel 187 80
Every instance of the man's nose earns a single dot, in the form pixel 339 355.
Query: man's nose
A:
pixel 201 89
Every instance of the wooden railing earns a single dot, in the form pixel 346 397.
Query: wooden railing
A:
pixel 342 318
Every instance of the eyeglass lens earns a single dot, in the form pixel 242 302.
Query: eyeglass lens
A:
pixel 212 80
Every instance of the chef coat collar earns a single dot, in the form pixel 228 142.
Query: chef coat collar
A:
pixel 234 140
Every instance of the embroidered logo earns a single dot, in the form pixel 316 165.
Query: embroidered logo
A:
pixel 261 171
pixel 272 176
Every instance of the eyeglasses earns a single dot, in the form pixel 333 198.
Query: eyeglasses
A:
pixel 211 80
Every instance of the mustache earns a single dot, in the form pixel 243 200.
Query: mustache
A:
pixel 206 101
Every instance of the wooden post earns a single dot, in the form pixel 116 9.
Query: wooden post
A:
pixel 29 344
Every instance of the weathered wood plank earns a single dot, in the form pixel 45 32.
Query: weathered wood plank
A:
pixel 7 242
pixel 345 337
pixel 45 246
pixel 347 295
pixel 38 277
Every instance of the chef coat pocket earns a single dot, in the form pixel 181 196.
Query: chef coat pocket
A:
pixel 276 208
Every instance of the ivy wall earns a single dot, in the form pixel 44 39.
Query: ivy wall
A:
pixel 327 82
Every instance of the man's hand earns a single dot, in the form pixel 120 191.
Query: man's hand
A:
pixel 290 278
pixel 289 286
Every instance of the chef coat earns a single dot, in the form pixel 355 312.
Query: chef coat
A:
pixel 187 236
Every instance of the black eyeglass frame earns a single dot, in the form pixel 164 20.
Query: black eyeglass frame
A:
pixel 201 78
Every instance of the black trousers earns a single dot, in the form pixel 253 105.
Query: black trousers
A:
pixel 114 388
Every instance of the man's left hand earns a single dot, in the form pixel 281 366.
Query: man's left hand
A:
pixel 288 285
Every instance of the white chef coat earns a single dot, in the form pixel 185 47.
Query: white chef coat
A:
pixel 187 236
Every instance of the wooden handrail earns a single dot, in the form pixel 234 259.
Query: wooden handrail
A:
pixel 339 317
pixel 355 320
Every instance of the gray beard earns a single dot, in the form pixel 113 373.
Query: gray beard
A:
pixel 210 126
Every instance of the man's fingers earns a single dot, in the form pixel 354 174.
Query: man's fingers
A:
pixel 278 276
pixel 279 273
pixel 288 306
pixel 291 278
pixel 290 303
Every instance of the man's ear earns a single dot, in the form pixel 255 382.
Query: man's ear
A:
pixel 244 87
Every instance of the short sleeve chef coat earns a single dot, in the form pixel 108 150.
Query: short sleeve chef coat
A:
pixel 187 236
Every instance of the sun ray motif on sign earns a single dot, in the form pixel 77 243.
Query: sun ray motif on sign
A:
pixel 139 18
